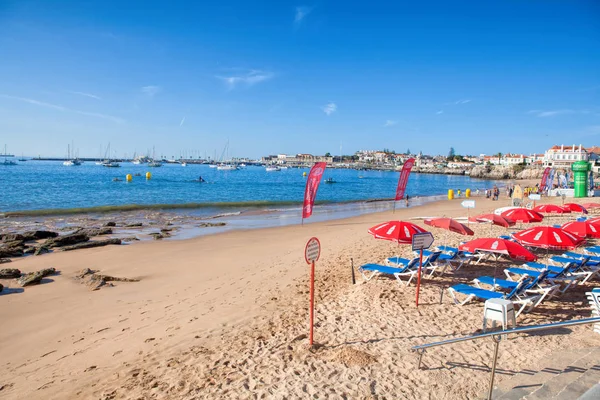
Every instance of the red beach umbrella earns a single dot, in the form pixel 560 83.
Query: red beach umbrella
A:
pixel 551 209
pixel 575 208
pixel 449 224
pixel 494 219
pixel 499 246
pixel 396 231
pixel 589 206
pixel 548 237
pixel 523 215
pixel 583 229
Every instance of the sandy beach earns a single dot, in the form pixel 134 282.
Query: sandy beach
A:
pixel 226 316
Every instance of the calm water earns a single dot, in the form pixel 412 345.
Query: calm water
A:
pixel 41 185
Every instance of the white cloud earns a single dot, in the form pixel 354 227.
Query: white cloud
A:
pixel 63 109
pixel 389 122
pixel 458 102
pixel 182 121
pixel 249 78
pixel 439 112
pixel 301 13
pixel 151 90
pixel 330 108
pixel 93 96
pixel 553 113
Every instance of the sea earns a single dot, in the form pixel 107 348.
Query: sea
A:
pixel 245 198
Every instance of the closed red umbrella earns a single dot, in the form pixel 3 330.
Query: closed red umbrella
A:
pixel 494 219
pixel 551 209
pixel 548 237
pixel 396 231
pixel 499 246
pixel 449 224
pixel 523 215
pixel 582 228
pixel 575 208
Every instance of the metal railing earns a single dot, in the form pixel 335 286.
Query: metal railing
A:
pixel 497 337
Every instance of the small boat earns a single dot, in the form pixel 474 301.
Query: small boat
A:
pixel 213 166
pixel 184 164
pixel 136 162
pixel 283 167
pixel 154 164
pixel 226 167
pixel 242 165
pixel 7 162
pixel 71 162
pixel 330 180
pixel 22 158
pixel 272 168
pixel 110 164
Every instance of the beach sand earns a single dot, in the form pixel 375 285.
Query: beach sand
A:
pixel 226 316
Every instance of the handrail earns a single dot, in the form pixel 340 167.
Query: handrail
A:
pixel 522 329
pixel 497 337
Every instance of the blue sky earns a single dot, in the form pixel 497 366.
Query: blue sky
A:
pixel 286 77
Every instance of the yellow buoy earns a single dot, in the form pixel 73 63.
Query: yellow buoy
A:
pixel 304 174
pixel 450 194
pixel 148 175
pixel 129 178
pixel 468 193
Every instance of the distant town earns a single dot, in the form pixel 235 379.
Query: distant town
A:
pixel 558 156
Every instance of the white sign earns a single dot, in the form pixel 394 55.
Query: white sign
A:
pixel 534 197
pixel 421 241
pixel 468 204
pixel 312 252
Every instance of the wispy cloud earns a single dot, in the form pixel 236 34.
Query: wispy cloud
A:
pixel 93 96
pixel 151 90
pixel 330 108
pixel 458 102
pixel 182 121
pixel 63 109
pixel 554 113
pixel 249 78
pixel 389 122
pixel 439 112
pixel 301 13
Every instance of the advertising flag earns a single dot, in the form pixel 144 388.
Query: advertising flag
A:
pixel 312 185
pixel 545 178
pixel 403 180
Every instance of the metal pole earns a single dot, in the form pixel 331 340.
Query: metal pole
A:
pixel 496 340
pixel 353 277
pixel 419 275
pixel 312 302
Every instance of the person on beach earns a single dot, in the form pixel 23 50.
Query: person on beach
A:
pixel 406 201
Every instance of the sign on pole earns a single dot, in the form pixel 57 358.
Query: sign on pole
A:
pixel 421 241
pixel 468 204
pixel 312 252
pixel 534 197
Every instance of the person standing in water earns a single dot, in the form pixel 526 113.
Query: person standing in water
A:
pixel 406 201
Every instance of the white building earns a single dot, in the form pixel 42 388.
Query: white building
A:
pixel 564 156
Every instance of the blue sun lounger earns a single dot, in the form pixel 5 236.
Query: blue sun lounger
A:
pixel 409 271
pixel 535 286
pixel 555 275
pixel 515 295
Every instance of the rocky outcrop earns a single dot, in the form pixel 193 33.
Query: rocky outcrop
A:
pixel 160 235
pixel 67 240
pixel 211 224
pixel 11 237
pixel 9 273
pixel 90 244
pixel 134 225
pixel 5 260
pixel 110 224
pixel 1 287
pixel 34 278
pixel 13 248
pixel 37 235
pixel 95 280
pixel 95 231
pixel 41 250
pixel 130 239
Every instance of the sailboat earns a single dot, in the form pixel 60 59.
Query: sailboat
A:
pixel 154 163
pixel 107 162
pixel 22 158
pixel 226 166
pixel 71 162
pixel 7 162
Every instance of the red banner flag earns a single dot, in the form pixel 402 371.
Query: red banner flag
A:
pixel 544 178
pixel 403 180
pixel 312 184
